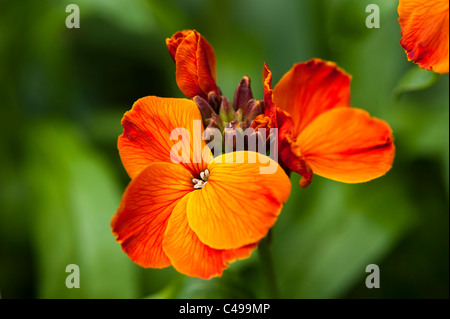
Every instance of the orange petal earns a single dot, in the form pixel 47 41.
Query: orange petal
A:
pixel 238 205
pixel 141 220
pixel 285 124
pixel 147 130
pixel 195 63
pixel 311 88
pixel 296 163
pixel 189 255
pixel 346 145
pixel 288 160
pixel 424 28
pixel 173 42
pixel 270 109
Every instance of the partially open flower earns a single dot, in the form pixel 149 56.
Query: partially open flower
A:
pixel 195 63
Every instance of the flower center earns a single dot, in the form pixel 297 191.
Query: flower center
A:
pixel 199 183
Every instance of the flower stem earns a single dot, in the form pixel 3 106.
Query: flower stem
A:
pixel 267 265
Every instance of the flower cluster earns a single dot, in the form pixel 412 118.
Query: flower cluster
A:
pixel 198 211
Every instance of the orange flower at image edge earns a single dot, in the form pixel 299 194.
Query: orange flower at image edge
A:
pixel 208 210
pixel 425 33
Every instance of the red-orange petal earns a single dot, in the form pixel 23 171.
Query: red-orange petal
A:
pixel 173 42
pixel 238 205
pixel 425 32
pixel 288 160
pixel 189 255
pixel 285 124
pixel 346 145
pixel 311 88
pixel 141 220
pixel 195 63
pixel 270 108
pixel 147 134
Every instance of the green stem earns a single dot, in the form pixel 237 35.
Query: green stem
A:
pixel 267 265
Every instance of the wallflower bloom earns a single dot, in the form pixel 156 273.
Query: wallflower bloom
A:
pixel 200 214
pixel 321 134
pixel 424 29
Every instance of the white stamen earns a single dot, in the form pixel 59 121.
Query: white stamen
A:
pixel 199 183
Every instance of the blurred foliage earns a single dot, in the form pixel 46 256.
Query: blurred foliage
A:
pixel 416 79
pixel 63 92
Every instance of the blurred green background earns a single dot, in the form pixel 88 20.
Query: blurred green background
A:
pixel 63 93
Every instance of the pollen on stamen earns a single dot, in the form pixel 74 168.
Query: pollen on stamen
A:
pixel 199 183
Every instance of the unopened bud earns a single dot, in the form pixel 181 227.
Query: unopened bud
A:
pixel 254 108
pixel 238 115
pixel 204 107
pixel 216 122
pixel 214 101
pixel 242 94
pixel 233 137
pixel 226 111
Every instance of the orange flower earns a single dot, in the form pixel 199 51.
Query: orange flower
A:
pixel 195 63
pixel 424 29
pixel 200 214
pixel 320 133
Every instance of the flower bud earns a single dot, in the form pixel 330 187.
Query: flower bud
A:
pixel 216 122
pixel 195 62
pixel 242 94
pixel 254 108
pixel 214 101
pixel 233 137
pixel 205 109
pixel 226 111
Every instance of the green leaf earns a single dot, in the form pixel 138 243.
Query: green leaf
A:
pixel 445 153
pixel 135 16
pixel 74 196
pixel 328 235
pixel 414 80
